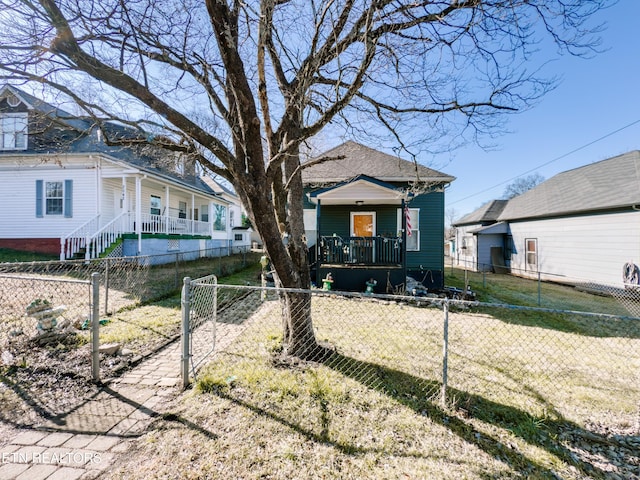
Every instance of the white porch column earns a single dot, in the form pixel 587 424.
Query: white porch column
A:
pixel 166 209
pixel 211 218
pixel 139 212
pixel 98 191
pixel 193 211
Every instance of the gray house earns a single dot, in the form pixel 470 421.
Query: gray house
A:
pixel 370 215
pixel 480 238
pixel 580 225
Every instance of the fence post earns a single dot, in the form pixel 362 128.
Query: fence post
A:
pixel 445 352
pixel 185 340
pixel 95 327
pixel 539 289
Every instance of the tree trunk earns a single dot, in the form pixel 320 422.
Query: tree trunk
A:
pixel 290 262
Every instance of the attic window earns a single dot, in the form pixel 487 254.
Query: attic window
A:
pixel 12 100
pixel 13 131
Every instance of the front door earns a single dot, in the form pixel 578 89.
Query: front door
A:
pixel 363 224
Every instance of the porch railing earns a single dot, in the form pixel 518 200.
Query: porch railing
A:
pixel 173 225
pixel 104 238
pixel 361 250
pixel 76 241
pixel 90 240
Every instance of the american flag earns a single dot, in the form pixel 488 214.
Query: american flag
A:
pixel 407 214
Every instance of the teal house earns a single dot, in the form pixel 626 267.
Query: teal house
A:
pixel 373 218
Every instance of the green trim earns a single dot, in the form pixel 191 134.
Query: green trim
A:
pixel 111 247
pixel 134 236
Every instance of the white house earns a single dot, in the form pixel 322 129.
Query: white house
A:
pixel 68 189
pixel 582 225
pixel 241 236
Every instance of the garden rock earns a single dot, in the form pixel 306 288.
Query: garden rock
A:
pixel 110 348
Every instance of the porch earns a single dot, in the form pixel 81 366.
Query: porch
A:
pixel 361 250
pixel 92 238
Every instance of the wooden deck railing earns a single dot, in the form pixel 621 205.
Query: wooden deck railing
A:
pixel 361 250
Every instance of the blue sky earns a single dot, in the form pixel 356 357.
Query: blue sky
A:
pixel 596 97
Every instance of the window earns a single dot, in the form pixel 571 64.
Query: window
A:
pixel 156 205
pixel 220 218
pixel 204 213
pixel 182 209
pixel 238 237
pixel 531 249
pixel 13 131
pixel 54 198
pixel 413 228
pixel 232 222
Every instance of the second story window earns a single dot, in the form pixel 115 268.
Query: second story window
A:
pixel 13 131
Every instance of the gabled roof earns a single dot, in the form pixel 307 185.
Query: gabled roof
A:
pixel 360 159
pixel 493 229
pixel 486 214
pixel 219 187
pixel 69 134
pixel 606 185
pixel 357 191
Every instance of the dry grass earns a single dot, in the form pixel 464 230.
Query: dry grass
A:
pixel 521 399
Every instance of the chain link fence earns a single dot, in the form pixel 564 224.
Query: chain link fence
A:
pixel 558 365
pixel 543 289
pixel 127 281
pixel 45 320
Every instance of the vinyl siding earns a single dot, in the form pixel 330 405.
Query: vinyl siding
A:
pixel 335 219
pixel 582 248
pixel 18 199
pixel 430 256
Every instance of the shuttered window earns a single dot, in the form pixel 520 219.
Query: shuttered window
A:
pixel 54 198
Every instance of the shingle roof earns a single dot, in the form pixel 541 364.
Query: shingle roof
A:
pixel 81 137
pixel 487 213
pixel 604 185
pixel 360 159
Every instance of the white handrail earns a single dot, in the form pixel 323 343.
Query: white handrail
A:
pixel 75 241
pixel 104 238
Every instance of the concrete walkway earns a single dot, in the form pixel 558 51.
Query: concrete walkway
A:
pixel 83 443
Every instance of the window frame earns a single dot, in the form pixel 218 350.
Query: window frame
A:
pixel 204 213
pixel 58 199
pixel 415 230
pixel 182 209
pixel 14 131
pixel 531 266
pixel 219 218
pixel 157 209
pixel 64 197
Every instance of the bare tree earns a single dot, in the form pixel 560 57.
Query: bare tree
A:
pixel 521 185
pixel 241 85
